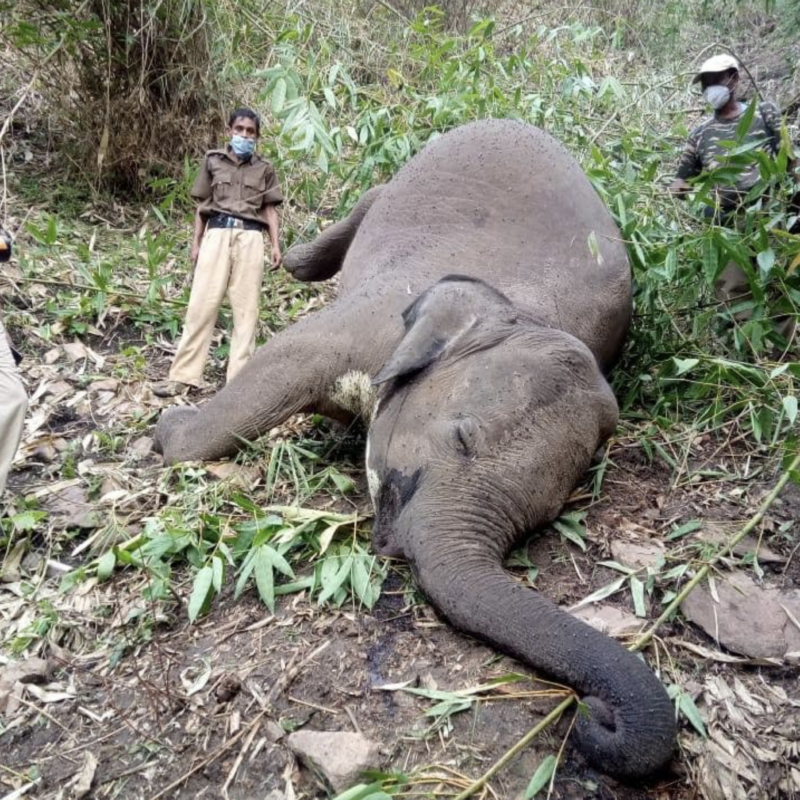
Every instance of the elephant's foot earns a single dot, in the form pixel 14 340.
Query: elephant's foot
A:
pixel 172 435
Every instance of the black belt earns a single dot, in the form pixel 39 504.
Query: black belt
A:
pixel 229 221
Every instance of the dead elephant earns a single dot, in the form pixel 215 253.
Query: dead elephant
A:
pixel 483 290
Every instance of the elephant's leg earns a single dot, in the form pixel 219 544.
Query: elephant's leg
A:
pixel 295 371
pixel 322 258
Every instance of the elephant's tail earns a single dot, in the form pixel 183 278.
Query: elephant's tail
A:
pixel 629 730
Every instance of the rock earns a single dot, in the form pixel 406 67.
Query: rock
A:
pixel 141 448
pixel 107 385
pixel 237 474
pixel 75 351
pixel 717 534
pixel 610 620
pixel 337 757
pixel 749 619
pixel 637 555
pixel 69 507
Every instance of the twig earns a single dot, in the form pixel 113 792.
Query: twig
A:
pixel 240 758
pixel 645 638
pixel 394 11
pixel 212 758
pixel 520 745
pixel 620 112
pixel 289 674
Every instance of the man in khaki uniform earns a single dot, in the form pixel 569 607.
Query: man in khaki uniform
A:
pixel 13 400
pixel 238 193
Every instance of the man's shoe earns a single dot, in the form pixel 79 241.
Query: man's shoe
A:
pixel 169 388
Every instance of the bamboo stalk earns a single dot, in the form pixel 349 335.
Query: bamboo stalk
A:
pixel 520 745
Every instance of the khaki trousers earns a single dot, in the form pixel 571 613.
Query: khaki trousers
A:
pixel 13 404
pixel 231 260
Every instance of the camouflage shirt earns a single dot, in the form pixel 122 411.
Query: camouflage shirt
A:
pixel 704 152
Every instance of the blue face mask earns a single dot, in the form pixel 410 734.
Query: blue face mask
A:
pixel 242 146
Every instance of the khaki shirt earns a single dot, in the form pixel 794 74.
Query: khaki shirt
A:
pixel 224 187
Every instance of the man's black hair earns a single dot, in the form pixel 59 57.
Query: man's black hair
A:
pixel 247 113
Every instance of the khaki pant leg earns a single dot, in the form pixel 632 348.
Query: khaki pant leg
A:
pixel 732 286
pixel 208 289
pixel 13 404
pixel 244 292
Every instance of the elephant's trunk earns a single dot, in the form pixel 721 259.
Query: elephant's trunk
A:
pixel 630 728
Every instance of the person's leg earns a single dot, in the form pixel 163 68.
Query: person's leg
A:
pixel 208 289
pixel 244 292
pixel 13 404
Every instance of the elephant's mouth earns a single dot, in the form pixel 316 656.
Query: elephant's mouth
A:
pixel 395 492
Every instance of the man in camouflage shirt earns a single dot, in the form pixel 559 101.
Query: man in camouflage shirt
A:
pixel 719 79
pixel 705 151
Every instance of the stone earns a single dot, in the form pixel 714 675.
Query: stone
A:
pixel 337 757
pixel 106 385
pixel 749 619
pixel 74 351
pixel 637 555
pixel 610 620
pixel 141 448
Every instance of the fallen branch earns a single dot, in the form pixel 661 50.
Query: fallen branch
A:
pixel 645 638
pixel 519 746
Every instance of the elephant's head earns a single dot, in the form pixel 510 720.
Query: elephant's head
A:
pixel 486 421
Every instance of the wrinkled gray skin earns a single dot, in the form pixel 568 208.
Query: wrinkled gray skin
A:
pixel 471 295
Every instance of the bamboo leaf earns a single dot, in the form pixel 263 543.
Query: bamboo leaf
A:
pixel 542 776
pixel 201 591
pixel 265 581
pixel 106 564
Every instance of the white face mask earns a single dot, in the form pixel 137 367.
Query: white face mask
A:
pixel 717 96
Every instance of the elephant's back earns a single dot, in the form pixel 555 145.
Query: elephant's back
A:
pixel 505 202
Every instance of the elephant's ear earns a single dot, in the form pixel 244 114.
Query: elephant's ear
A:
pixel 446 313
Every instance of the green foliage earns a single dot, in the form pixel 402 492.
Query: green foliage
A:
pixel 130 80
pixel 218 530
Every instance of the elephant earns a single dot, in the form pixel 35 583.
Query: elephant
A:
pixel 484 293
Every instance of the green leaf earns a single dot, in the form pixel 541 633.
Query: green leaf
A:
pixel 278 96
pixel 637 591
pixel 335 571
pixel 218 568
pixel 265 581
pixel 790 408
pixel 766 261
pixel 684 364
pixel 364 792
pixel 26 520
pixel 691 712
pixel 201 592
pixel 106 564
pixel 279 562
pixel 688 527
pixel 542 776
pixel 602 593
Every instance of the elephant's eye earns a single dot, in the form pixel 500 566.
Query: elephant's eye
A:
pixel 466 434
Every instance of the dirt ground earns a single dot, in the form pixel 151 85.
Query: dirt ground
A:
pixel 161 708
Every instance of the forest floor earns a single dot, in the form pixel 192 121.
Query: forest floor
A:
pixel 151 704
